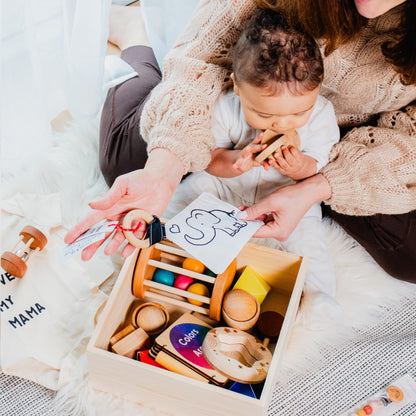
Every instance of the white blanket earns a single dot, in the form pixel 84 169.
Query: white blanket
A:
pixel 324 371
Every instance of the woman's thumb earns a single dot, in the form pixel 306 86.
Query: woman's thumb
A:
pixel 253 212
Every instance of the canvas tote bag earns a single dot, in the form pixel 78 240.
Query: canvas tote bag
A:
pixel 48 314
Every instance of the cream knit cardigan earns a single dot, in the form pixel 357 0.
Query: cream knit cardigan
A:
pixel 371 170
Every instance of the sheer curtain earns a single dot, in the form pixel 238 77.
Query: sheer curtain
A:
pixel 52 59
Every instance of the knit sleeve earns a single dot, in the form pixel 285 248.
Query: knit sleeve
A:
pixel 178 113
pixel 373 169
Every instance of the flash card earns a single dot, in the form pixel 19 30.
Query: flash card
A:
pixel 95 233
pixel 209 230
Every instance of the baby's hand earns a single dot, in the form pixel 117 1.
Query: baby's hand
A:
pixel 246 160
pixel 293 163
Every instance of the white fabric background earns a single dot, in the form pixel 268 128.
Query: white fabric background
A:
pixel 164 20
pixel 52 59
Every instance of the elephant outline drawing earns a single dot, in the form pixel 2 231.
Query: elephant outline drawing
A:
pixel 206 223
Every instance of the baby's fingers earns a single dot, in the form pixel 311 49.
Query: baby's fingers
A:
pixel 258 138
pixel 256 148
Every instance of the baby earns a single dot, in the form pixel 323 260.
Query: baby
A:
pixel 277 74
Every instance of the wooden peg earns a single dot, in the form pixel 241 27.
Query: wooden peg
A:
pixel 275 142
pixel 128 345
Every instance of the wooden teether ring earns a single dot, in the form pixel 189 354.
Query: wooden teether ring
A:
pixel 127 225
pixel 237 354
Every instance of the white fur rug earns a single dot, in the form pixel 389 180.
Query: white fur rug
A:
pixel 323 372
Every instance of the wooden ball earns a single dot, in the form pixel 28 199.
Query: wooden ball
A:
pixel 183 282
pixel 165 277
pixel 240 305
pixel 199 289
pixel 269 324
pixel 151 317
pixel 193 265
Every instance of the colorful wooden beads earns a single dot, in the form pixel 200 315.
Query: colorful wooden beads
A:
pixel 193 265
pixel 392 394
pixel 183 282
pixel 165 277
pixel 198 289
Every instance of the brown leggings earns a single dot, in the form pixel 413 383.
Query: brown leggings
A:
pixel 389 239
pixel 122 148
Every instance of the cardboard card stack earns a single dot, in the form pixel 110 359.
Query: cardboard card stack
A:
pixel 178 349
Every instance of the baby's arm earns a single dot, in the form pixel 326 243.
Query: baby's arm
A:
pixel 293 163
pixel 228 163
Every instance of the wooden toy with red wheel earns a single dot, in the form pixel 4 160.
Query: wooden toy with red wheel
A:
pixel 15 261
pixel 167 256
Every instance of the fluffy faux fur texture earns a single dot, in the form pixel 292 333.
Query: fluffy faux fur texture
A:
pixel 363 289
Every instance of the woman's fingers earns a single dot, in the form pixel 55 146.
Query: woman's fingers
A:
pixel 115 242
pixel 84 225
pixel 89 251
pixel 127 250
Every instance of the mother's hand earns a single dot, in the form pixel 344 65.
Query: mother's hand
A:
pixel 149 189
pixel 282 210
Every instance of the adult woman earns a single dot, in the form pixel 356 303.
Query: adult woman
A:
pixel 372 170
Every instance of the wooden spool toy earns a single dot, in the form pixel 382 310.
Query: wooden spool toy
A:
pixel 240 309
pixel 15 261
pixel 276 141
pixel 168 256
pixel 151 317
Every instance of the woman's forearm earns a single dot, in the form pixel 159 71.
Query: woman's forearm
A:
pixel 316 188
pixel 165 165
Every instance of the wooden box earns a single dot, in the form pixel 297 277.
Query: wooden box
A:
pixel 173 393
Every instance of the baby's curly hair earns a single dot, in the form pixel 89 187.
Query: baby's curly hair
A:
pixel 274 55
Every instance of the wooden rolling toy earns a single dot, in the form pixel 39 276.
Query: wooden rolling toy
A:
pixel 276 141
pixel 15 261
pixel 168 256
pixel 237 354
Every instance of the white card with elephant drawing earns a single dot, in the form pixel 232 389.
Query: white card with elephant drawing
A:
pixel 209 230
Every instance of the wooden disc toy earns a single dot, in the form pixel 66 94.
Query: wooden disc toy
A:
pixel 159 256
pixel 237 354
pixel 15 261
pixel 240 309
pixel 276 141
pixel 128 220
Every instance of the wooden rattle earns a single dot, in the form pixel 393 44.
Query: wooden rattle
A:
pixel 15 261
pixel 237 354
pixel 159 256
pixel 240 309
pixel 275 142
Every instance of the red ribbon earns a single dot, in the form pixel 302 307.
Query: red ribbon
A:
pixel 119 227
